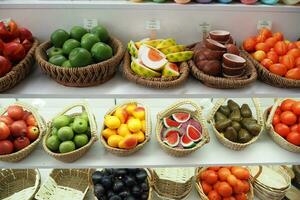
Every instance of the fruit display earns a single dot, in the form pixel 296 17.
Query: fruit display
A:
pixel 276 54
pixel 285 121
pixel 19 129
pixel 235 125
pixel 218 56
pixel 222 183
pixel 181 131
pixel 157 58
pixel 126 128
pixel 118 184
pixel 79 47
pixel 15 42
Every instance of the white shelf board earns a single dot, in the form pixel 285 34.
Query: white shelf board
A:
pixel 39 85
pixel 263 151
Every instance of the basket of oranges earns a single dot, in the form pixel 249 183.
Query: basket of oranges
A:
pixel 277 60
pixel 223 183
pixel 126 128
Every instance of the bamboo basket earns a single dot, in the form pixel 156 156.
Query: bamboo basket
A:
pixel 89 75
pixel 265 192
pixel 66 184
pixel 19 71
pixel 268 117
pixel 196 113
pixel 234 145
pixel 270 78
pixel 250 194
pixel 155 82
pixel 127 152
pixel 16 184
pixel 19 155
pixel 78 153
pixel 249 76
pixel 172 183
pixel 150 184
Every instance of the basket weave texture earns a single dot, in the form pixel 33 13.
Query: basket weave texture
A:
pixel 127 152
pixel 268 117
pixel 16 184
pixel 78 153
pixel 196 113
pixel 270 78
pixel 234 145
pixel 19 71
pixel 19 155
pixel 66 184
pixel 155 82
pixel 90 75
pixel 249 77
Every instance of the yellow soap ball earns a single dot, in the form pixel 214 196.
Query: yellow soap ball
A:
pixel 123 130
pixel 140 136
pixel 144 126
pixel 114 140
pixel 130 108
pixel 139 113
pixel 134 125
pixel 112 122
pixel 106 133
pixel 129 142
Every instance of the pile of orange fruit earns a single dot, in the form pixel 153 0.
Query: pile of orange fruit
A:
pixel 279 56
pixel 225 183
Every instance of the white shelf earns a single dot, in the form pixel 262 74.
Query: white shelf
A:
pixel 39 85
pixel 263 151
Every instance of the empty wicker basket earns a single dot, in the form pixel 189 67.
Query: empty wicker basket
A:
pixel 16 184
pixel 196 113
pixel 234 145
pixel 19 155
pixel 78 153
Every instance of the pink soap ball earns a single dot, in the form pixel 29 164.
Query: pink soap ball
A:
pixel 249 2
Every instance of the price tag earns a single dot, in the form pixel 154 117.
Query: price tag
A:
pixel 152 24
pixel 90 23
pixel 264 24
pixel 6 21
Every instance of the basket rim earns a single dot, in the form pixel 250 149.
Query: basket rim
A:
pixel 161 82
pixel 147 132
pixel 119 52
pixel 41 126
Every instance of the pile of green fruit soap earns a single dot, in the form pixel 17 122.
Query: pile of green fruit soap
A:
pixel 69 133
pixel 236 123
pixel 79 48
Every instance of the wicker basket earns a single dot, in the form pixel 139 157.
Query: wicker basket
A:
pixel 127 152
pixel 66 184
pixel 250 195
pixel 155 82
pixel 78 153
pixel 249 77
pixel 19 155
pixel 16 184
pixel 83 76
pixel 270 78
pixel 265 192
pixel 268 117
pixel 234 145
pixel 196 114
pixel 19 71
pixel 173 183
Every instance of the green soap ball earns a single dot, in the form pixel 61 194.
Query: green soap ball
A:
pixel 57 60
pixel 65 133
pixel 101 51
pixel 69 45
pixel 101 32
pixel 88 40
pixel 54 51
pixel 53 143
pixel 77 32
pixel 61 121
pixel 67 64
pixel 66 147
pixel 59 37
pixel 81 140
pixel 80 57
pixel 80 125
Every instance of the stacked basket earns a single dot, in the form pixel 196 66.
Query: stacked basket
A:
pixel 19 155
pixel 195 113
pixel 233 145
pixel 268 116
pixel 78 153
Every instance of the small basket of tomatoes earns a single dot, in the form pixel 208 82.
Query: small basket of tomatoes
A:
pixel 224 183
pixel 277 60
pixel 21 129
pixel 17 47
pixel 283 123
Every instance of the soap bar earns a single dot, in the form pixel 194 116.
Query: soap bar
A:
pixel 269 2
pixel 249 2
pixel 224 1
pixel 203 1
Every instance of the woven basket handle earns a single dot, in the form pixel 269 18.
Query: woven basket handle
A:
pixel 198 110
pixel 216 107
pixel 272 112
pixel 257 106
pixel 260 169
